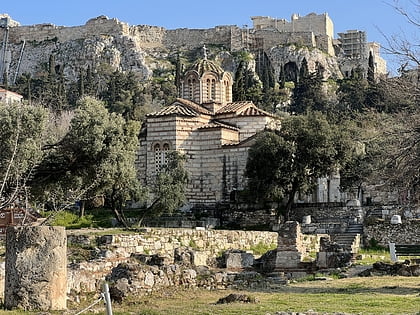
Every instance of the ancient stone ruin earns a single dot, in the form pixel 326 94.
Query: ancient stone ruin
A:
pixel 36 268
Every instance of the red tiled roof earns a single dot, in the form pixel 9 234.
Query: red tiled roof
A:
pixel 194 106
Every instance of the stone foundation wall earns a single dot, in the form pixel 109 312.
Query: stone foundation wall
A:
pixel 112 250
pixel 164 241
pixel 406 233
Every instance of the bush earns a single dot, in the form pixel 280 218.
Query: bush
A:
pixel 71 221
pixel 262 248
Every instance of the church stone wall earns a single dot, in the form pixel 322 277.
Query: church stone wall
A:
pixel 249 125
pixel 215 173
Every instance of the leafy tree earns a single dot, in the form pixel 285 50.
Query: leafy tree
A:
pixel 308 93
pixel 178 74
pixel 371 69
pixel 169 189
pixel 95 157
pixel 352 92
pixel 284 162
pixel 365 129
pixel 246 87
pixel 22 134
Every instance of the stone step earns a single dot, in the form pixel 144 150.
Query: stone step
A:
pixel 345 239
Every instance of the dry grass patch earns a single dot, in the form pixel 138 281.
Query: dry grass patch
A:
pixel 370 295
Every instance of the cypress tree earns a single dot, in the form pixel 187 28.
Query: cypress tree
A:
pixel 282 77
pixel 371 70
pixel 178 74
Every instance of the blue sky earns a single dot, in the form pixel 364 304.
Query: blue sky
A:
pixel 372 16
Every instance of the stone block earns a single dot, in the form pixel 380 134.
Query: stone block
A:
pixel 239 260
pixel 36 268
pixel 199 258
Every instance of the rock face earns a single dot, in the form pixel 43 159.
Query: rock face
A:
pixel 141 49
pixel 36 268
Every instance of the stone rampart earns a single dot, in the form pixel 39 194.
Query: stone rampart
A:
pixel 146 36
pixel 192 38
pixel 93 27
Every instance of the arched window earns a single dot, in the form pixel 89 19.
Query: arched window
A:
pixel 208 90
pixel 190 89
pixel 227 91
pixel 165 150
pixel 213 89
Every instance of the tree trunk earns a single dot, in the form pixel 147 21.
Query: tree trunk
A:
pixel 119 215
pixel 82 208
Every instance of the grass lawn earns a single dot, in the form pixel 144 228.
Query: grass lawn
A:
pixel 370 295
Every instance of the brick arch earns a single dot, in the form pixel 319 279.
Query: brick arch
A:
pixel 210 86
pixel 191 86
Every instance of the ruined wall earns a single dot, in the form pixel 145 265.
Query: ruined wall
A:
pixel 384 232
pixel 164 241
pixel 192 38
pixel 114 249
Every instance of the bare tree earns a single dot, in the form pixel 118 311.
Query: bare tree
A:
pixel 402 136
pixel 402 45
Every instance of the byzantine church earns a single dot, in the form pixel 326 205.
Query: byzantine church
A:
pixel 213 133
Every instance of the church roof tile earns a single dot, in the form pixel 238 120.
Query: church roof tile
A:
pixel 244 108
pixel 181 107
pixel 218 124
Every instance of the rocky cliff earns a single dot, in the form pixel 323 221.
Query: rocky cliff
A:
pixel 141 49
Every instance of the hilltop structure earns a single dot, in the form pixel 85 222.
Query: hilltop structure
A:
pixel 142 48
pixel 356 51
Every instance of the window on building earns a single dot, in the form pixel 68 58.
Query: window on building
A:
pixel 227 91
pixel 191 89
pixel 213 89
pixel 160 155
pixel 208 90
pixel 158 161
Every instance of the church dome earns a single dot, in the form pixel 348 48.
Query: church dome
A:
pixel 203 65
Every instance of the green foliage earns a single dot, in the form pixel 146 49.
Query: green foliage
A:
pixel 95 157
pixel 22 134
pixel 308 94
pixel 246 86
pixel 169 189
pixel 192 244
pixel 261 248
pixel 290 160
pixel 70 220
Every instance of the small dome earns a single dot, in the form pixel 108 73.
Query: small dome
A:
pixel 202 66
